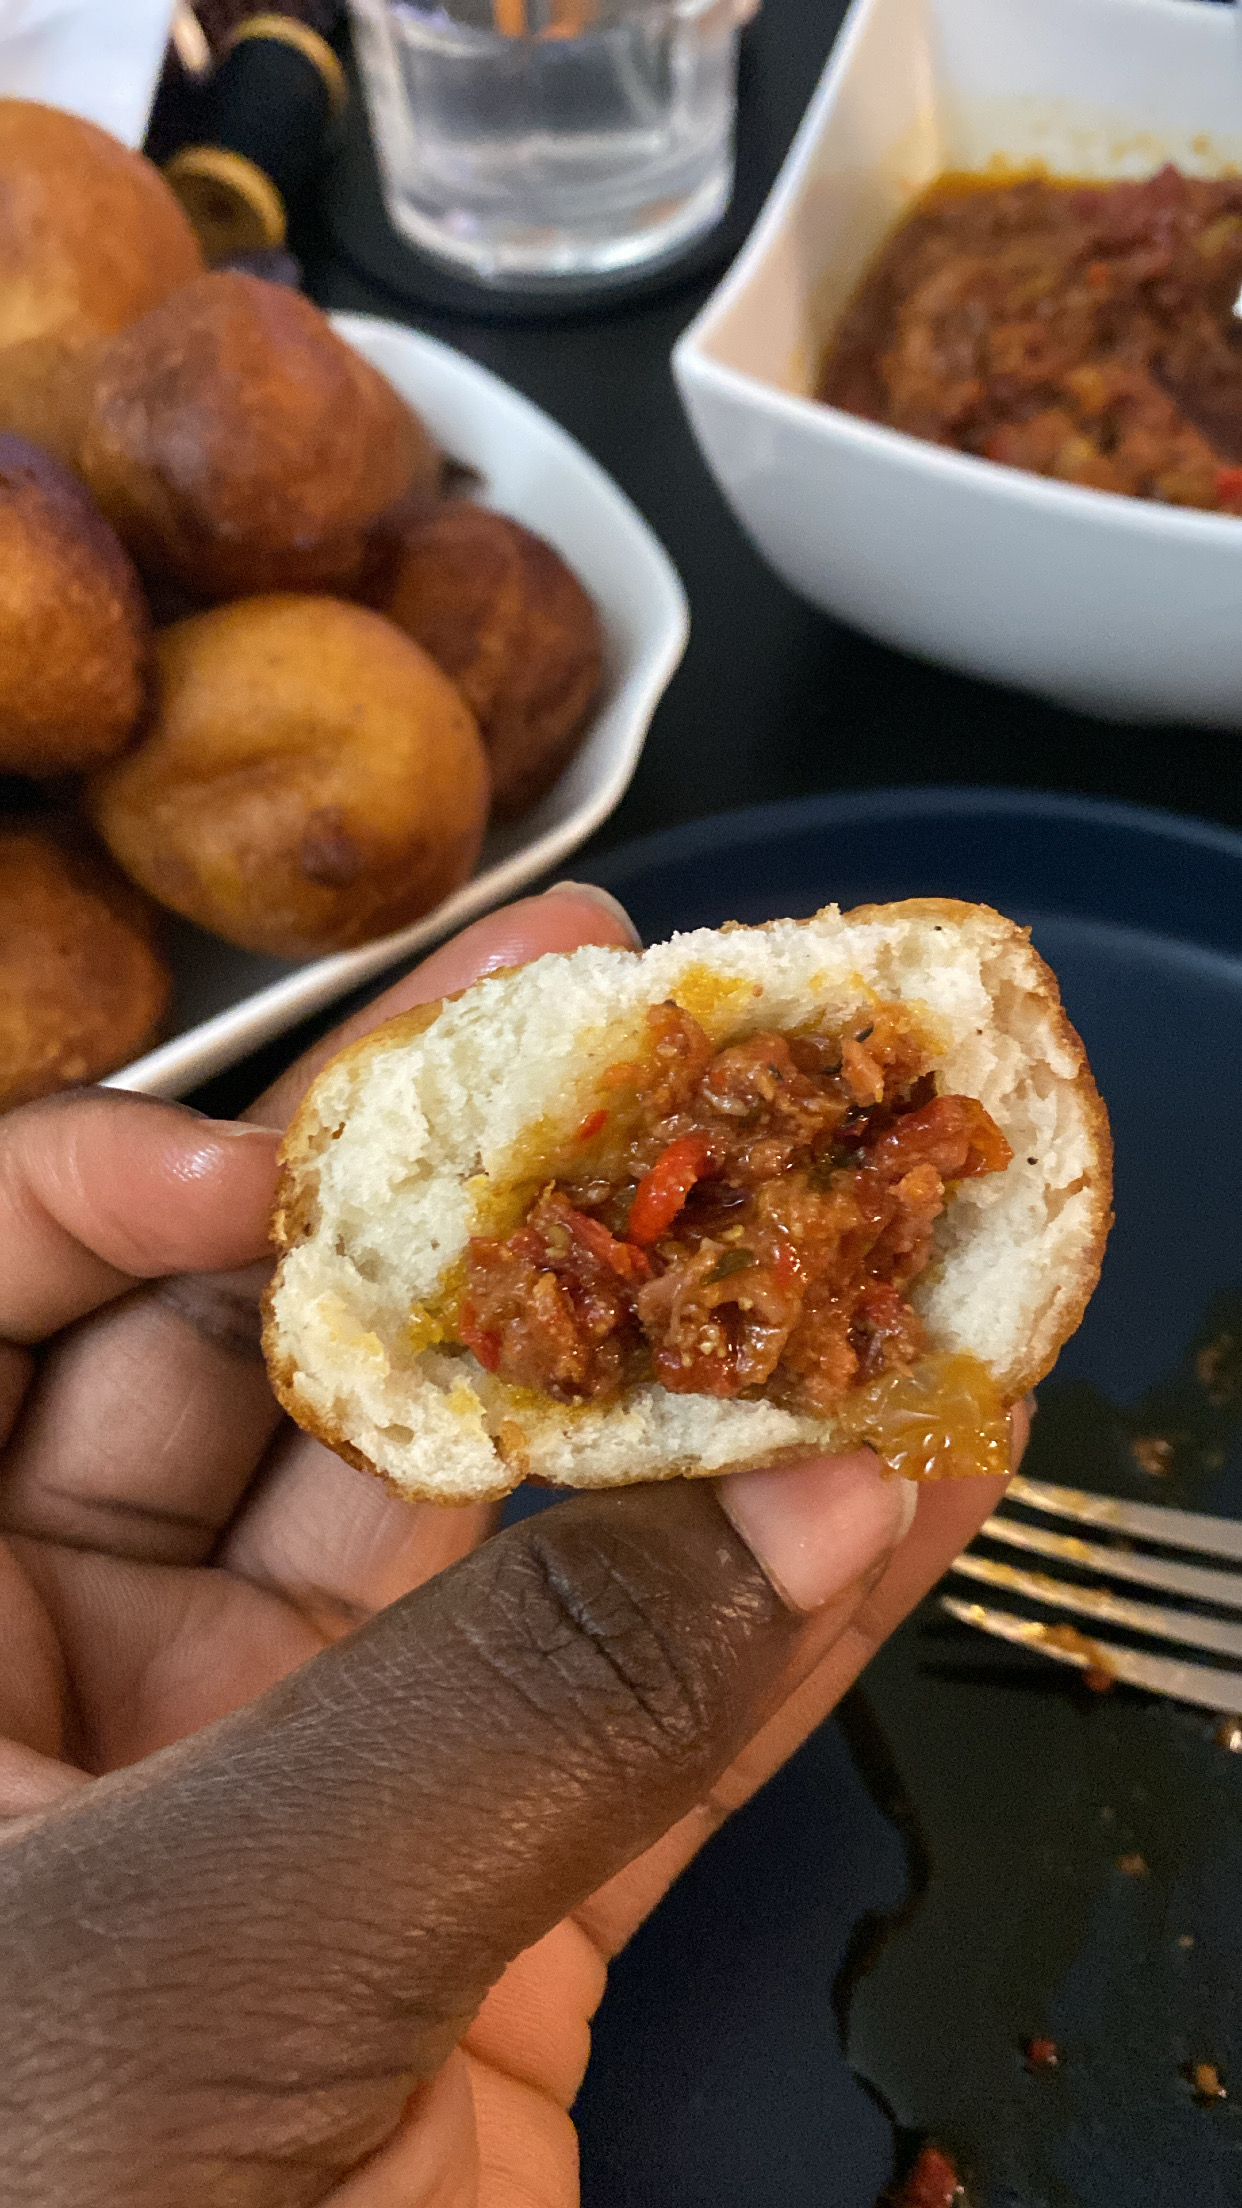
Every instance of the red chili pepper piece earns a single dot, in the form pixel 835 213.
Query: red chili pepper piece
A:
pixel 592 1124
pixel 932 2183
pixel 1229 483
pixel 484 1345
pixel 662 1192
pixel 1042 2054
pixel 953 1133
pixel 621 1258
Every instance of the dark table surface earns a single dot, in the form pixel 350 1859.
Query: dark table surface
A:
pixel 773 699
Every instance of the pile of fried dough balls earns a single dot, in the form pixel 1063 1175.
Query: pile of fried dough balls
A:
pixel 255 665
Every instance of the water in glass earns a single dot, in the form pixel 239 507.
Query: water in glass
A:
pixel 530 141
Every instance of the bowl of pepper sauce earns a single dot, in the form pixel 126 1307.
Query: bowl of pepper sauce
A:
pixel 975 382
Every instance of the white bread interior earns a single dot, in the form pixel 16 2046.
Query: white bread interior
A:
pixel 405 1138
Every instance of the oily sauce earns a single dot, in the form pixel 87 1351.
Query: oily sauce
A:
pixel 748 1221
pixel 1078 330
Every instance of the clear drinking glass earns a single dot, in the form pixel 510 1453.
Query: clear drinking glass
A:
pixel 551 142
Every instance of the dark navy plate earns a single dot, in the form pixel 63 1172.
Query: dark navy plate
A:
pixel 977 1851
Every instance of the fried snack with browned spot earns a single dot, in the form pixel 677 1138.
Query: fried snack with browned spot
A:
pixel 502 614
pixel 75 633
pixel 45 388
pixel 237 444
pixel 310 780
pixel 83 988
pixel 92 237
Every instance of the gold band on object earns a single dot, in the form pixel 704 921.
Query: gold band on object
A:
pixel 289 32
pixel 232 205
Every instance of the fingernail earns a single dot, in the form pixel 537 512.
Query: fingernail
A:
pixel 817 1528
pixel 596 896
pixel 238 1130
pixel 202 1160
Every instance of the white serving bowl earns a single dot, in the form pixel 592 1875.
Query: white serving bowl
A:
pixel 228 1001
pixel 1118 606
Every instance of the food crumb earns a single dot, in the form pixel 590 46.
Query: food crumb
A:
pixel 932 2183
pixel 1185 1939
pixel 1134 1866
pixel 512 1446
pixel 1042 2054
pixel 1218 1368
pixel 1204 2081
pixel 1098 1680
pixel 1228 1735
pixel 1152 1452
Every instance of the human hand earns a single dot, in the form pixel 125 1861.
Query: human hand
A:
pixel 317 1849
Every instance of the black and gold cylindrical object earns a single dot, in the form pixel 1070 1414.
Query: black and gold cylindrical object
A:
pixel 263 124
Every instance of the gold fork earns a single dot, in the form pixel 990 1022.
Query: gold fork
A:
pixel 1213 1687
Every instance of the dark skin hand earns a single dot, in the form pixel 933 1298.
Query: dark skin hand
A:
pixel 325 1812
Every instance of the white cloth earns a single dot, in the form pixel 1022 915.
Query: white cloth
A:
pixel 98 58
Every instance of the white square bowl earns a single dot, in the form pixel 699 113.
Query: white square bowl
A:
pixel 227 1002
pixel 1114 605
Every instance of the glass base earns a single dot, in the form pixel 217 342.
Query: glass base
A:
pixel 518 257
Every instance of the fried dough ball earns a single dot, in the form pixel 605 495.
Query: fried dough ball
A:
pixel 310 780
pixel 501 613
pixel 75 633
pixel 91 237
pixel 45 388
pixel 83 988
pixel 236 443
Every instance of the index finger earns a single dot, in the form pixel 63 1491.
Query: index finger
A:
pixel 99 1191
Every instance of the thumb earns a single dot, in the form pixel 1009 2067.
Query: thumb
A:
pixel 229 1964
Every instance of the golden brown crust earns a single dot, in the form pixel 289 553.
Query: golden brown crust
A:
pixel 92 236
pixel 951 911
pixel 281 1372
pixel 45 387
pixel 83 988
pixel 75 633
pixel 310 779
pixel 237 443
pixel 504 616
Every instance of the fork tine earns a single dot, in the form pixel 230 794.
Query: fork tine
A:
pixel 1210 1690
pixel 1218 1634
pixel 1196 1580
pixel 1181 1529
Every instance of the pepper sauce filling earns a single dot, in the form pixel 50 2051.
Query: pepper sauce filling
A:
pixel 747 1222
pixel 1075 328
